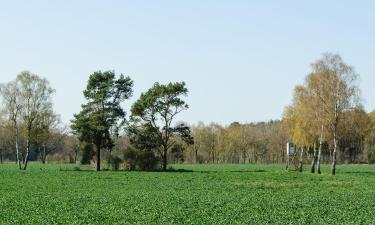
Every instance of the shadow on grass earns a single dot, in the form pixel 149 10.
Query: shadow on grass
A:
pixel 232 171
pixel 170 170
pixel 360 172
pixel 248 171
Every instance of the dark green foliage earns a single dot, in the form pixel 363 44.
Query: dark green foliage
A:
pixel 153 113
pixel 130 158
pixel 144 160
pixel 102 116
pixel 87 153
pixel 115 162
pixel 211 194
pixel 147 161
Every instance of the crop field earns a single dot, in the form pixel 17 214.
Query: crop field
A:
pixel 196 194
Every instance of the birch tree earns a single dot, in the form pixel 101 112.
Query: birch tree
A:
pixel 339 93
pixel 12 106
pixel 35 93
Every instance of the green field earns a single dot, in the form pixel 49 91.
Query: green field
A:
pixel 203 194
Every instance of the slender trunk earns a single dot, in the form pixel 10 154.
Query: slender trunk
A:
pixel 196 155
pixel 301 160
pixel 17 148
pixel 27 152
pixel 287 158
pixel 75 156
pixel 320 150
pixel 333 169
pixel 165 160
pixel 313 163
pixel 98 157
pixel 44 156
pixel 319 158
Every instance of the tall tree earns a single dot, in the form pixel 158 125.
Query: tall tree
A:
pixel 26 99
pixel 339 94
pixel 102 116
pixel 157 108
pixel 12 106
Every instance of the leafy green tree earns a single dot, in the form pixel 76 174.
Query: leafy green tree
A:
pixel 36 98
pixel 102 116
pixel 156 109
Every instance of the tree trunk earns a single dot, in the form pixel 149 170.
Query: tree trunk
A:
pixel 320 150
pixel 301 160
pixel 98 158
pixel 44 155
pixel 27 152
pixel 165 160
pixel 75 156
pixel 17 148
pixel 287 159
pixel 333 169
pixel 196 155
pixel 313 163
pixel 319 158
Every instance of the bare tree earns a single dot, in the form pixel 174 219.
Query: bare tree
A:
pixel 12 108
pixel 35 93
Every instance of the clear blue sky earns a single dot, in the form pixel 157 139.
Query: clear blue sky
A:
pixel 240 59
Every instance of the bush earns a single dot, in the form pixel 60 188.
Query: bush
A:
pixel 371 155
pixel 115 162
pixel 130 158
pixel 140 159
pixel 87 154
pixel 147 161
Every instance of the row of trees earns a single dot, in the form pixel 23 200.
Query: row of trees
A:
pixel 262 142
pixel 150 130
pixel 326 119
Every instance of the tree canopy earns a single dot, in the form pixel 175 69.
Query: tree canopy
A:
pixel 102 117
pixel 156 109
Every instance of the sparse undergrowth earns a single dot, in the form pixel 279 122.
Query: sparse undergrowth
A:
pixel 211 194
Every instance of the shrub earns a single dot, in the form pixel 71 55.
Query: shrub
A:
pixel 115 162
pixel 371 155
pixel 87 154
pixel 147 161
pixel 140 159
pixel 130 158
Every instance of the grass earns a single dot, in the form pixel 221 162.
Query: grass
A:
pixel 211 194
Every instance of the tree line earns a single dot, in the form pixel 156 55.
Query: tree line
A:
pixel 326 121
pixel 30 127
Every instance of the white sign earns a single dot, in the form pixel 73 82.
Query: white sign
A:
pixel 291 149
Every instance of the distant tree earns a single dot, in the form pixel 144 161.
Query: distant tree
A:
pixel 35 98
pixel 156 109
pixel 12 106
pixel 370 138
pixel 103 116
pixel 71 148
pixel 48 135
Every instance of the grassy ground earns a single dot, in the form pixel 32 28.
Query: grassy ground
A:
pixel 211 194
